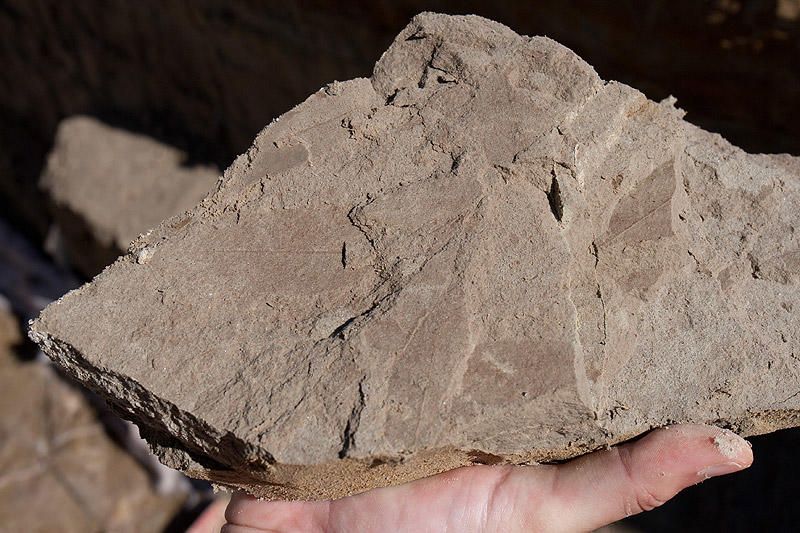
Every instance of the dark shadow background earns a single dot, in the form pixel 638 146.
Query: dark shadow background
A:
pixel 207 75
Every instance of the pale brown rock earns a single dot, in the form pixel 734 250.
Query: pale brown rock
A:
pixel 59 471
pixel 484 253
pixel 109 185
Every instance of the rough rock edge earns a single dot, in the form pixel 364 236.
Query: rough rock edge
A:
pixel 205 444
pixel 194 447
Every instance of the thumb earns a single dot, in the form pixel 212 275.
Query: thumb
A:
pixel 606 486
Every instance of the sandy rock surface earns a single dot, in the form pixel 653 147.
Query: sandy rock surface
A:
pixel 482 254
pixel 109 185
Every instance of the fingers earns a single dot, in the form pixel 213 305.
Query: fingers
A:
pixel 251 515
pixel 456 499
pixel 212 518
pixel 606 486
pixel 580 495
pixel 232 528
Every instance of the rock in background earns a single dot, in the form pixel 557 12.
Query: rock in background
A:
pixel 99 477
pixel 108 185
pixel 59 471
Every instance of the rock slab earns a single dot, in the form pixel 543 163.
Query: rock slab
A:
pixel 482 254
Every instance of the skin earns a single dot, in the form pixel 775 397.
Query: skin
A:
pixel 580 495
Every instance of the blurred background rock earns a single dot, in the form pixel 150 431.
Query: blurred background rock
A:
pixel 60 471
pixel 171 91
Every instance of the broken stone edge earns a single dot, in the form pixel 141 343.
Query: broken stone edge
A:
pixel 184 442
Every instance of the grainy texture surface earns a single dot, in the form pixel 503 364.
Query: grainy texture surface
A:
pixel 59 471
pixel 484 253
pixel 109 185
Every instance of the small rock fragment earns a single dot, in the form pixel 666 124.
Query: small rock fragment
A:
pixel 145 254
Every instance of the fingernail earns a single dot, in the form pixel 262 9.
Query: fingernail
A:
pixel 719 470
pixel 730 444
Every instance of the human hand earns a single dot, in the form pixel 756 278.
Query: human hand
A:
pixel 580 495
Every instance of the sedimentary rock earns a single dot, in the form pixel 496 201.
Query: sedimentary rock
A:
pixel 109 185
pixel 59 470
pixel 484 253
